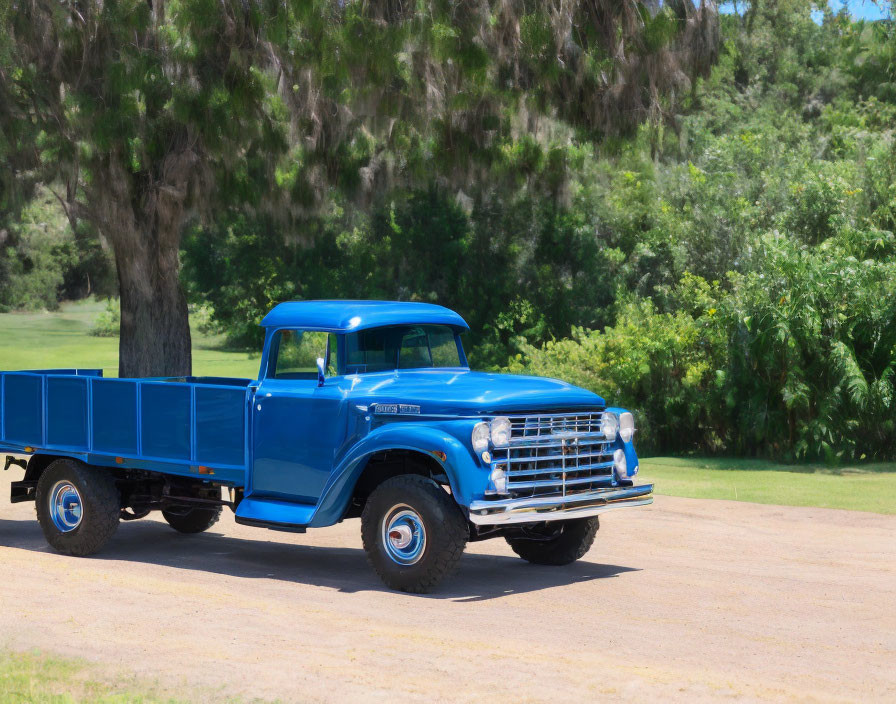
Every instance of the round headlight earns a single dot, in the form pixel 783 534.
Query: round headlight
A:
pixel 480 437
pixel 609 426
pixel 500 427
pixel 620 465
pixel 626 426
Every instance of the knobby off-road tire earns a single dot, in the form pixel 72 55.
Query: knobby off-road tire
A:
pixel 93 491
pixel 575 539
pixel 419 510
pixel 196 520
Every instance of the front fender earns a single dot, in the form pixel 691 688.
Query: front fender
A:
pixel 465 476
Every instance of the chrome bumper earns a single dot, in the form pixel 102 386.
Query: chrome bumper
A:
pixel 559 508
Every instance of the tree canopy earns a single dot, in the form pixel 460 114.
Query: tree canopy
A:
pixel 143 116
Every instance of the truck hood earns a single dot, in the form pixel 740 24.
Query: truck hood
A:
pixel 462 392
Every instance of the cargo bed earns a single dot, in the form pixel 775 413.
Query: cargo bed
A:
pixel 187 425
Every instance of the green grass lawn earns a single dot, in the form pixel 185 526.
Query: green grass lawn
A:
pixel 39 678
pixel 43 679
pixel 867 487
pixel 61 340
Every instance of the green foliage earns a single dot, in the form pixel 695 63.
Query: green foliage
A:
pixel 43 261
pixel 108 323
pixel 666 366
pixel 497 264
pixel 812 350
pixel 36 252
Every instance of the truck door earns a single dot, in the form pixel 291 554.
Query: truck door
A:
pixel 297 424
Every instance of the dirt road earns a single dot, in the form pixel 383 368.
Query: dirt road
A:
pixel 683 600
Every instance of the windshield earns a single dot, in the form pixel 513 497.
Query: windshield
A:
pixel 401 347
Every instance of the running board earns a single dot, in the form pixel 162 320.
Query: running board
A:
pixel 275 514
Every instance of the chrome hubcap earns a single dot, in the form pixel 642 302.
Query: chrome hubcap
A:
pixel 401 537
pixel 404 535
pixel 66 509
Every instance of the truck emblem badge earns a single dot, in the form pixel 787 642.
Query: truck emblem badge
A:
pixel 396 409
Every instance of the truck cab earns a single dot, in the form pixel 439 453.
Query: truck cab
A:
pixel 361 409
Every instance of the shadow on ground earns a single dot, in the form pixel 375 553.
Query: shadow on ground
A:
pixel 480 577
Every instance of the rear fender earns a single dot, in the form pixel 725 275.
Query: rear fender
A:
pixel 24 490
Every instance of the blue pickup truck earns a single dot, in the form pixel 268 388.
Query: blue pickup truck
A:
pixel 362 409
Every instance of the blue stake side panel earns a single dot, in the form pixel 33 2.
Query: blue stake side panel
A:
pixel 176 426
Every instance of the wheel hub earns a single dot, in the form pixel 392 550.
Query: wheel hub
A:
pixel 404 535
pixel 401 536
pixel 66 508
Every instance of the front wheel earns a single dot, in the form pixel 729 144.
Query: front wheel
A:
pixel 413 532
pixel 556 544
pixel 78 507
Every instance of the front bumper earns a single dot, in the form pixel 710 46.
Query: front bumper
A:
pixel 559 508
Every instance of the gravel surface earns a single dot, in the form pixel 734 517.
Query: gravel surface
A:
pixel 684 600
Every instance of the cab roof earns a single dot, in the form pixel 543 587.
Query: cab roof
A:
pixel 349 316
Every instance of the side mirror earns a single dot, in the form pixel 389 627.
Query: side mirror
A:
pixel 321 371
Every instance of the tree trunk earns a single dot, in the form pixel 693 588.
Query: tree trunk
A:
pixel 143 221
pixel 155 326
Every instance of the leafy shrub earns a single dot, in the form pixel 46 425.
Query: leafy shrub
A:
pixel 796 359
pixel 35 253
pixel 108 323
pixel 812 352
pixel 42 261
pixel 664 366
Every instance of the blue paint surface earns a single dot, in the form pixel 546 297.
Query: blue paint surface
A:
pixel 348 316
pixel 165 420
pixel 114 411
pixel 23 404
pixel 296 433
pixel 165 426
pixel 67 411
pixel 464 392
pixel 220 426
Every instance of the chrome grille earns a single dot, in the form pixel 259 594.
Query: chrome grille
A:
pixel 556 454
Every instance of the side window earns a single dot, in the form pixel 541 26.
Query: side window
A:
pixel 295 354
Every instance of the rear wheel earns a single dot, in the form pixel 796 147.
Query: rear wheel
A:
pixel 556 544
pixel 78 506
pixel 194 520
pixel 413 532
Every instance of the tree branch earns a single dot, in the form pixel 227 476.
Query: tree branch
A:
pixel 68 207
